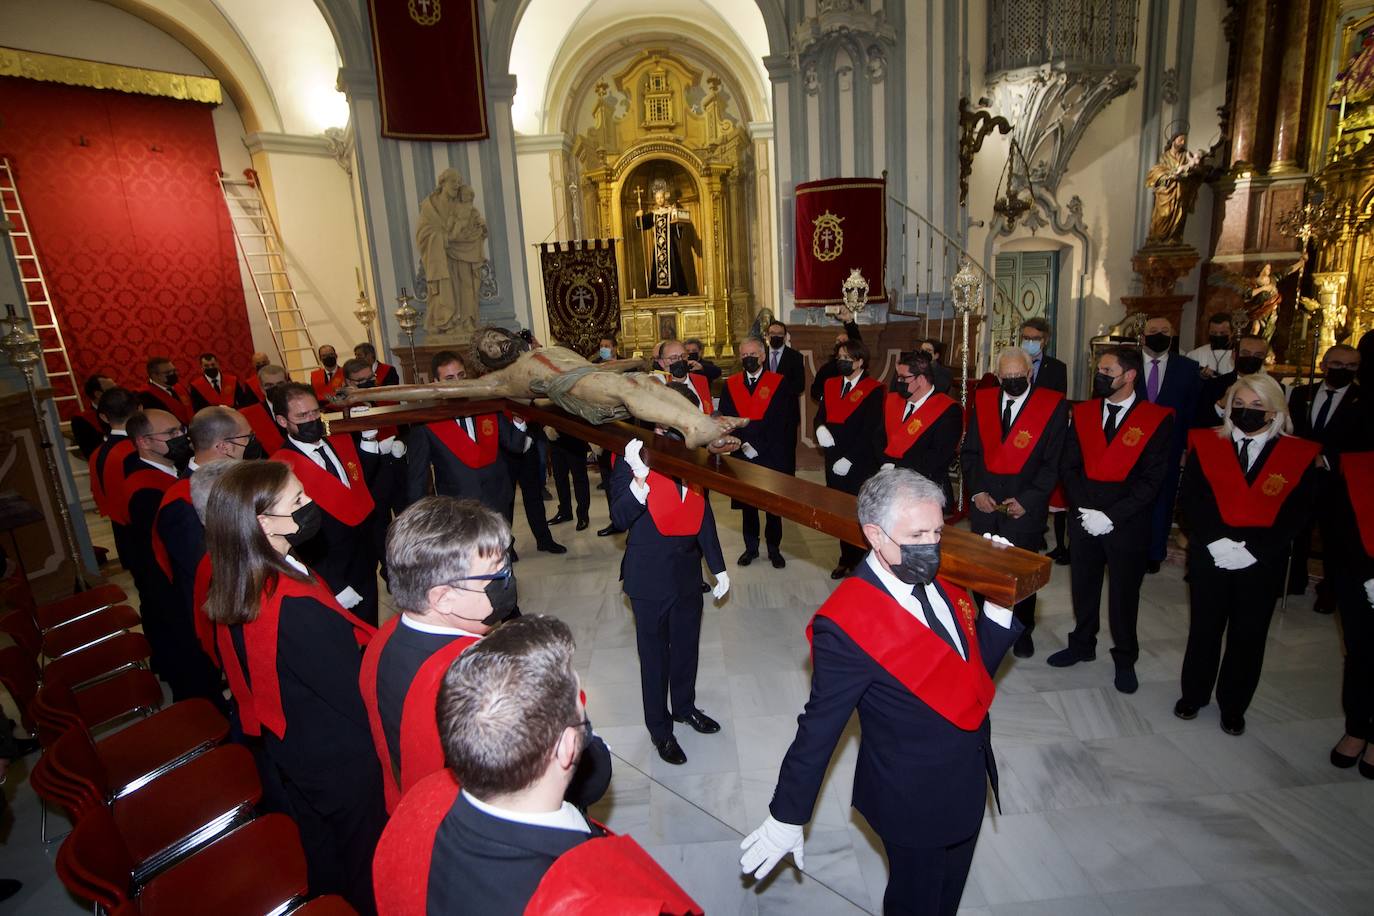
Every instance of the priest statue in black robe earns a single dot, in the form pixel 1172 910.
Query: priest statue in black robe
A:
pixel 669 229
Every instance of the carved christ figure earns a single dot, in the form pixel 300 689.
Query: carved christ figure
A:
pixel 449 236
pixel 664 225
pixel 1175 180
pixel 596 393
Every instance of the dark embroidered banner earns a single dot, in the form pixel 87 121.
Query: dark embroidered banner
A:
pixel 429 69
pixel 841 225
pixel 581 291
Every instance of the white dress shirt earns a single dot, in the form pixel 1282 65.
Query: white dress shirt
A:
pixel 319 452
pixel 1257 444
pixel 1016 404
pixel 119 432
pixel 1219 361
pixel 1149 362
pixel 1120 414
pixel 434 628
pixel 161 467
pixel 913 406
pixel 1324 393
pixel 901 593
pixel 565 818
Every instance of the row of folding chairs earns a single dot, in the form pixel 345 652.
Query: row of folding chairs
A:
pixel 162 809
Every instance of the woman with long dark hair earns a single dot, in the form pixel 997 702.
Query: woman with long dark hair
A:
pixel 291 655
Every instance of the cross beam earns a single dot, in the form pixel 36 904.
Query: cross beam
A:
pixel 1004 575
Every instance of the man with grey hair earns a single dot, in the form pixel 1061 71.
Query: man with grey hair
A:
pixel 916 657
pixel 1011 463
pixel 451 577
pixel 259 415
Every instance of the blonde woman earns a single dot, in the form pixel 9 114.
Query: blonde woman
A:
pixel 1247 490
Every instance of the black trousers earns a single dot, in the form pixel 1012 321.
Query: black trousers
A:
pixel 772 530
pixel 1236 605
pixel 570 463
pixel 926 881
pixel 528 473
pixel 851 554
pixel 1124 566
pixel 667 634
pixel 1357 683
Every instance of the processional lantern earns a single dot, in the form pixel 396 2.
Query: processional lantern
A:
pixel 408 319
pixel 1011 204
pixel 855 292
pixel 364 310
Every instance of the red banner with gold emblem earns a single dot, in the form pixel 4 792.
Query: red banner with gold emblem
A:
pixel 841 226
pixel 429 69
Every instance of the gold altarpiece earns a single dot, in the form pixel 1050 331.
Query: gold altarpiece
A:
pixel 658 120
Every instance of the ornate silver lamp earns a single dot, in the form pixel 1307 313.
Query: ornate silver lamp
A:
pixel 966 288
pixel 408 319
pixel 364 311
pixel 24 349
pixel 855 292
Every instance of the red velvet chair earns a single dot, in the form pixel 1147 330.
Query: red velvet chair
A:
pixel 126 650
pixel 90 629
pixel 63 610
pixel 56 707
pixel 19 675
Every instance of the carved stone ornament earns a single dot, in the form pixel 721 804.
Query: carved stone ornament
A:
pixel 849 23
pixel 340 143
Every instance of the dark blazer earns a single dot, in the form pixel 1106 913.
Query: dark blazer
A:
pixel 490 485
pixel 89 431
pixel 709 369
pixel 1128 503
pixel 828 369
pixel 920 780
pixel 1053 374
pixel 1031 487
pixel 487 866
pixel 184 537
pixel 854 440
pixel 932 454
pixel 1347 427
pixel 791 368
pixel 1180 389
pixel 655 565
pixel 774 436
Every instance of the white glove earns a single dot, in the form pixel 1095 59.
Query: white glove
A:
pixel 1229 554
pixel 1369 591
pixel 998 539
pixel 550 433
pixel 349 598
pixel 842 467
pixel 369 434
pixel 398 448
pixel 749 451
pixel 766 847
pixel 723 585
pixel 824 438
pixel 632 458
pixel 889 466
pixel 1095 522
pixel 1242 558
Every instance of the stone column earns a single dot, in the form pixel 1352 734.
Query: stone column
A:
pixel 1245 113
pixel 1288 113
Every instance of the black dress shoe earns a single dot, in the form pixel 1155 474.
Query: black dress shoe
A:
pixel 1056 553
pixel 1342 761
pixel 546 494
pixel 560 518
pixel 700 722
pixel 1152 567
pixel 1125 680
pixel 1063 560
pixel 1233 724
pixel 747 557
pixel 671 751
pixel 1366 769
pixel 1024 646
pixel 839 572
pixel 1185 711
pixel 1070 656
pixel 777 560
pixel 551 547
pixel 582 523
pixel 1324 604
pixel 9 887
pixel 514 557
pixel 608 531
pixel 25 746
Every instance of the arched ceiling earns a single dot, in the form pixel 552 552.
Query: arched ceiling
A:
pixel 551 30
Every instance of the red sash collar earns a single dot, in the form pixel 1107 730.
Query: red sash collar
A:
pixel 422 752
pixel 228 384
pixel 205 627
pixel 255 385
pixel 838 409
pixel 178 492
pixel 454 435
pixel 173 405
pixel 348 504
pixel 1113 462
pixel 107 483
pixel 959 690
pixel 672 514
pixel 1251 505
pixel 611 874
pixel 384 373
pixel 753 406
pixel 146 479
pixel 400 867
pixel 703 390
pixel 264 427
pixel 260 705
pixel 902 436
pixel 1358 470
pixel 1009 456
pixel 324 390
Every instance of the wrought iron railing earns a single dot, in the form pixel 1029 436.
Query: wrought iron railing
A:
pixel 1031 33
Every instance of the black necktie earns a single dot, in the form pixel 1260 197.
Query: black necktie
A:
pixel 1006 418
pixel 909 408
pixel 1113 415
pixel 1243 451
pixel 215 381
pixel 1320 423
pixel 329 465
pixel 936 625
pixel 844 390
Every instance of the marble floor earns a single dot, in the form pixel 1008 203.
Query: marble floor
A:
pixel 1110 805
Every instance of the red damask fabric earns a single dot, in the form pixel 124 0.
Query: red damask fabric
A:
pixel 130 226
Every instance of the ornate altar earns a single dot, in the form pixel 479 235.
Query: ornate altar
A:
pixel 662 147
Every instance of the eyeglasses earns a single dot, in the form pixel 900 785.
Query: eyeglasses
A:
pixel 498 576
pixel 170 433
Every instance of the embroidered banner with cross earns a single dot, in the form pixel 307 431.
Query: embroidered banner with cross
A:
pixel 841 225
pixel 581 291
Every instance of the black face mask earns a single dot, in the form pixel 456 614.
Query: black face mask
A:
pixel 1015 387
pixel 694 356
pixel 1219 341
pixel 845 366
pixel 212 373
pixel 179 450
pixel 920 563
pixel 307 519
pixel 172 378
pixel 678 368
pixel 1339 378
pixel 776 341
pixel 504 598
pixel 1249 365
pixel 311 431
pixel 254 450
pixel 1248 419
pixel 1103 385
pixel 370 383
pixel 750 364
pixel 1158 343
pixel 330 362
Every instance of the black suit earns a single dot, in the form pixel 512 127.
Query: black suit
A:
pixel 1351 566
pixel 486 866
pixel 774 437
pixel 854 440
pixel 708 369
pixel 1052 374
pixel 156 603
pixel 489 485
pixel 661 575
pixel 932 454
pixel 97 465
pixel 527 469
pixel 828 370
pixel 793 370
pixel 568 458
pixel 183 536
pixel 1122 553
pixel 921 782
pixel 1031 487
pixel 1179 389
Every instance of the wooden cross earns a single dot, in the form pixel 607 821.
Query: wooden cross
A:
pixel 1004 575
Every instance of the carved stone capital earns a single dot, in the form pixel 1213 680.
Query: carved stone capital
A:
pixel 865 35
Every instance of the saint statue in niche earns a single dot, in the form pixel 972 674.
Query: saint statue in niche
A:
pixel 450 236
pixel 666 226
pixel 1175 180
